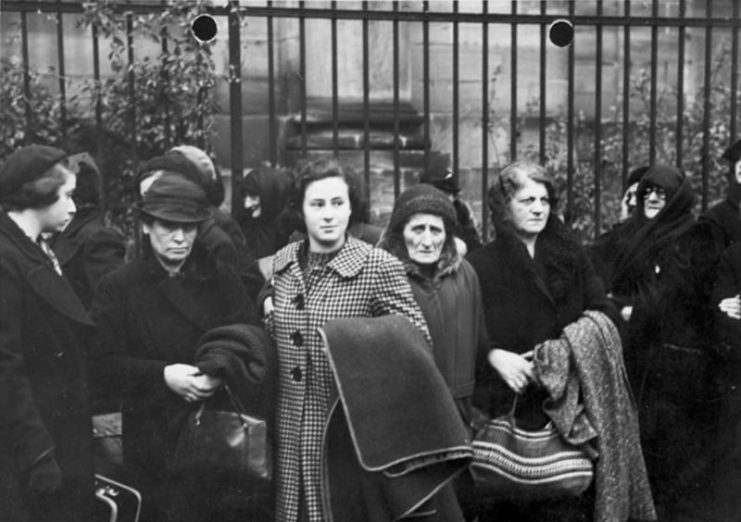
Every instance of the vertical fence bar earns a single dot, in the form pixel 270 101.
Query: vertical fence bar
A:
pixel 132 86
pixel 626 96
pixel 484 123
pixel 99 126
pixel 62 79
pixel 235 99
pixel 513 89
pixel 734 74
pixel 706 106
pixel 456 158
pixel 164 89
pixel 30 135
pixel 302 77
pixel 272 117
pixel 598 126
pixel 397 133
pixel 335 85
pixel 654 72
pixel 366 101
pixel 680 84
pixel 570 127
pixel 543 80
pixel 426 79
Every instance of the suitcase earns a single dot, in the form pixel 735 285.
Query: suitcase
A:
pixel 120 503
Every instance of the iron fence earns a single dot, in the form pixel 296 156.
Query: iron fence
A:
pixel 621 15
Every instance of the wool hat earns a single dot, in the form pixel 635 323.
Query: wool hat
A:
pixel 733 153
pixel 174 198
pixel 439 174
pixel 174 162
pixel 636 175
pixel 199 158
pixel 28 164
pixel 421 199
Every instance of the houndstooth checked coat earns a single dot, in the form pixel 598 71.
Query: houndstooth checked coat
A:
pixel 360 281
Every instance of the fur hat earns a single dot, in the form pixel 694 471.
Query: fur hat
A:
pixel 421 199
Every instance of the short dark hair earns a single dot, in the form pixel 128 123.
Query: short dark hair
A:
pixel 316 170
pixel 38 193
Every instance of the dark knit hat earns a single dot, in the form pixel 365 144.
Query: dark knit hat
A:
pixel 173 198
pixel 28 164
pixel 733 153
pixel 439 174
pixel 421 199
pixel 636 175
pixel 172 162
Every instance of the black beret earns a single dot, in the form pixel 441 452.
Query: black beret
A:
pixel 28 164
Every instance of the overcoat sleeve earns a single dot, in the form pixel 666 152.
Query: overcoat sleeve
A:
pixel 728 284
pixel 114 367
pixel 393 295
pixel 20 419
pixel 595 297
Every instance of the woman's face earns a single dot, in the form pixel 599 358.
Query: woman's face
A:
pixel 654 199
pixel 252 204
pixel 529 209
pixel 424 236
pixel 58 215
pixel 171 242
pixel 326 211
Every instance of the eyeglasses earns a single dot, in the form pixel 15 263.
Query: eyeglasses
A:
pixel 659 191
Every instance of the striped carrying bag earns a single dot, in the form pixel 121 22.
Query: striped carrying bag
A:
pixel 512 464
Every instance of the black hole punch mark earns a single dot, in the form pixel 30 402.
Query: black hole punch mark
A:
pixel 203 28
pixel 561 32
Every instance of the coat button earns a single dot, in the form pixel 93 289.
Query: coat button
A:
pixel 296 374
pixel 299 302
pixel 59 354
pixel 297 338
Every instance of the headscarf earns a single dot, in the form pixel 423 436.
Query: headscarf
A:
pixel 644 240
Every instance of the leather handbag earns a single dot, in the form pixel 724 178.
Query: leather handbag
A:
pixel 513 464
pixel 225 441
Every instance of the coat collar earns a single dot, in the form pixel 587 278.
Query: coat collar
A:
pixel 347 263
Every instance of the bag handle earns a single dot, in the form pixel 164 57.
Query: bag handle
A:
pixel 236 404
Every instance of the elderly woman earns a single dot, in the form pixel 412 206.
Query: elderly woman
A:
pixel 420 234
pixel 46 457
pixel 326 276
pixel 150 315
pixel 662 275
pixel 535 280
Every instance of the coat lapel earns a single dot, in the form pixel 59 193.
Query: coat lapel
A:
pixel 57 292
pixel 184 303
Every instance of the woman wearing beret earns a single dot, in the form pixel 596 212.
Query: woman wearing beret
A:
pixel 421 234
pixel 326 276
pixel 535 280
pixel 150 315
pixel 46 460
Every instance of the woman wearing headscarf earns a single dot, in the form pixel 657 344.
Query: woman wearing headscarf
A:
pixel 662 275
pixel 421 234
pixel 535 280
pixel 46 453
pixel 328 275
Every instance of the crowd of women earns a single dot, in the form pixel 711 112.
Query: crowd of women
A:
pixel 371 353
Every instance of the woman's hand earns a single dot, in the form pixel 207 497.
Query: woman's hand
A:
pixel 190 383
pixel 514 369
pixel 626 312
pixel 267 306
pixel 731 306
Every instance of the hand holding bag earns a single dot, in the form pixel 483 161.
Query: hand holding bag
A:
pixel 227 441
pixel 513 464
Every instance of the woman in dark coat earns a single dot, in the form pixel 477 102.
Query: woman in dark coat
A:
pixel 327 276
pixel 46 458
pixel 535 280
pixel 150 315
pixel 661 273
pixel 421 234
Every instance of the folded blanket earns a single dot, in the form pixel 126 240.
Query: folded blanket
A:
pixel 245 357
pixel 584 374
pixel 406 432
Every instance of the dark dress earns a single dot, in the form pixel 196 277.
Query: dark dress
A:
pixel 527 301
pixel 145 321
pixel 44 332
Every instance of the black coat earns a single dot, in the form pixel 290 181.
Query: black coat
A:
pixel 724 219
pixel 44 331
pixel 145 321
pixel 527 301
pixel 87 250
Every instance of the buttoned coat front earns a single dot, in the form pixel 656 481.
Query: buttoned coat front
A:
pixel 360 281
